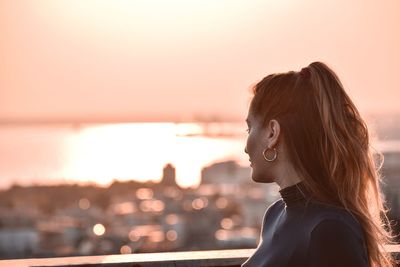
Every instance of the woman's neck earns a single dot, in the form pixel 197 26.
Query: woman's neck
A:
pixel 286 176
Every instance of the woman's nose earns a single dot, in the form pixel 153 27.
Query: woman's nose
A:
pixel 245 150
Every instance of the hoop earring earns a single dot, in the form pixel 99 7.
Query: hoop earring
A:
pixel 269 157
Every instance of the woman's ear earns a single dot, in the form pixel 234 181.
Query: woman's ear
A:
pixel 273 132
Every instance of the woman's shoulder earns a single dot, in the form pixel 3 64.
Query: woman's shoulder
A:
pixel 328 210
pixel 331 216
pixel 273 209
pixel 277 205
pixel 338 242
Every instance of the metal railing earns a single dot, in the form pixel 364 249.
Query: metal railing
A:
pixel 210 258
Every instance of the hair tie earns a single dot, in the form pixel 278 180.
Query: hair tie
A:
pixel 305 72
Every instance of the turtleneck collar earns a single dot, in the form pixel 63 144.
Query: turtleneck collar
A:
pixel 293 194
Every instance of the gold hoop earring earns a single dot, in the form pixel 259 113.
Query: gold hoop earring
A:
pixel 272 154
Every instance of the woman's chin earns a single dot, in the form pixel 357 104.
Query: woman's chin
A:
pixel 258 178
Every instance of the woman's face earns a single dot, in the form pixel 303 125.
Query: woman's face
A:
pixel 257 141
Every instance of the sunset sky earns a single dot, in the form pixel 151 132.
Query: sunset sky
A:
pixel 171 60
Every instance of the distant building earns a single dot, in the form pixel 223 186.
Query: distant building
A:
pixel 169 176
pixel 227 172
pixel 231 179
pixel 391 181
pixel 15 243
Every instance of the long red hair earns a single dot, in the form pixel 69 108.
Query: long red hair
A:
pixel 329 146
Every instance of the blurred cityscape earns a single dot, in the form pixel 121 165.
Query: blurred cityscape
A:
pixel 224 212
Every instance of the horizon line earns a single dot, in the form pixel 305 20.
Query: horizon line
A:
pixel 151 119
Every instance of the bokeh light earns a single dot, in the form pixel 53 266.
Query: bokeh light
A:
pixel 99 229
pixel 221 203
pixel 199 203
pixel 172 235
pixel 227 223
pixel 172 219
pixel 125 249
pixel 144 193
pixel 84 203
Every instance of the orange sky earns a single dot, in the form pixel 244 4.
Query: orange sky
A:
pixel 148 60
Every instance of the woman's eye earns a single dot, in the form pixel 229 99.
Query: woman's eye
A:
pixel 248 130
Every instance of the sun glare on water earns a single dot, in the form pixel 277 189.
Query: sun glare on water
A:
pixel 139 151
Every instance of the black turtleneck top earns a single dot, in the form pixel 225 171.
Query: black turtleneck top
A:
pixel 297 230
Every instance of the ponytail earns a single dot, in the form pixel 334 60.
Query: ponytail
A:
pixel 349 159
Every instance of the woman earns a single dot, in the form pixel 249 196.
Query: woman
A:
pixel 306 135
